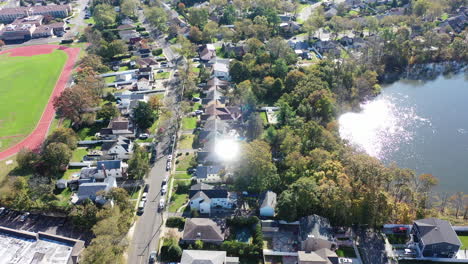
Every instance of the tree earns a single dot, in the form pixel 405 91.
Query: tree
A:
pixel 107 112
pixel 73 103
pixel 94 62
pixel 155 103
pixel 138 165
pixel 84 215
pixel 26 159
pixel 187 49
pixel 292 79
pixel 280 69
pixel 116 47
pixel 104 15
pixel 63 135
pixel 195 34
pixel 129 8
pixel 56 157
pixel 256 171
pixel 254 126
pixel 229 15
pixel 238 71
pixel 198 17
pixel 300 198
pixel 157 18
pixel 143 116
pixel 210 31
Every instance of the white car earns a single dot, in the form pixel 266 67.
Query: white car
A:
pixel 169 157
pixel 144 136
pixel 164 189
pixel 24 217
pixel 162 203
pixel 168 165
pixel 144 196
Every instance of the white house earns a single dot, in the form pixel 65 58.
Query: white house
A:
pixel 221 70
pixel 268 204
pixel 204 197
pixel 121 149
pixel 105 169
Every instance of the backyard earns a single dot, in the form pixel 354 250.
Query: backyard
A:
pixel 186 141
pixel 179 195
pixel 28 85
pixel 464 240
pixel 189 123
pixel 183 162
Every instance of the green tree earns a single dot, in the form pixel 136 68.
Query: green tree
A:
pixel 143 116
pixel 63 135
pixel 129 8
pixel 254 126
pixel 104 15
pixel 94 62
pixel 301 197
pixel 256 171
pixel 26 159
pixel 198 17
pixel 56 156
pixel 280 69
pixel 107 112
pixel 238 71
pixel 229 15
pixel 84 215
pixel 138 165
pixel 157 18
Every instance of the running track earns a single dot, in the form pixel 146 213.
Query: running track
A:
pixel 37 136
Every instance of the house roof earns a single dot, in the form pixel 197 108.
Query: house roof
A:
pixel 202 229
pixel 269 199
pixel 203 257
pixel 202 195
pixel 109 164
pixel 203 171
pixel 217 82
pixel 316 226
pixel 434 231
pixel 209 190
pixel 311 257
pixel 89 190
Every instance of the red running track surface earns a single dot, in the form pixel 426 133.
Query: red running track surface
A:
pixel 37 136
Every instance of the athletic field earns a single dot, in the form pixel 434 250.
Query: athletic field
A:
pixel 26 83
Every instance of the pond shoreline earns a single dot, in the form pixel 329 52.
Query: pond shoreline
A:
pixel 427 71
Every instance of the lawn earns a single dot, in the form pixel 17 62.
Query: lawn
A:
pixel 28 85
pixel 186 141
pixel 464 240
pixel 78 154
pixel 87 133
pixel 346 252
pixel 182 176
pixel 189 123
pixel 63 197
pixel 179 195
pixel 162 75
pixel 109 79
pixel 90 21
pixel 69 173
pixel 183 162
pixel 263 115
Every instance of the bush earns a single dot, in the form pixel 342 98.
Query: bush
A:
pixel 140 29
pixel 175 222
pixel 157 52
pixel 144 34
pixel 171 251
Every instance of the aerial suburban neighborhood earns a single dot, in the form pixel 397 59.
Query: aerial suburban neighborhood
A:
pixel 233 131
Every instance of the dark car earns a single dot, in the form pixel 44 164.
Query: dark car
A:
pixel 400 230
pixel 152 257
pixel 146 189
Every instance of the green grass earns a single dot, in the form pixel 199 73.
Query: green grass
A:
pixel 196 70
pixel 123 68
pixel 109 79
pixel 301 7
pixel 444 16
pixel 182 176
pixel 263 115
pixel 464 240
pixel 64 197
pixel 189 123
pixel 25 86
pixel 78 154
pixel 162 75
pixel 196 106
pixel 346 252
pixel 87 133
pixel 90 21
pixel 69 173
pixel 184 162
pixel 186 141
pixel 178 198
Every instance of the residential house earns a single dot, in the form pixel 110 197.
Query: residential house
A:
pixel 127 35
pixel 328 46
pixel 215 82
pixel 119 126
pixel 147 62
pixel 268 204
pixel 204 197
pixel 125 27
pixel 92 190
pixel 232 48
pixel 221 70
pixel 120 149
pixel 207 257
pixel 146 73
pixel 321 256
pixel 316 233
pixel 435 238
pixel 207 52
pixel 203 229
pixel 458 23
pixel 331 13
pixel 211 129
pixel 217 110
pixel 214 94
pixel 207 174
pixel 143 85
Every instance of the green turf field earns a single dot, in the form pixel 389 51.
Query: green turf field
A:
pixel 26 84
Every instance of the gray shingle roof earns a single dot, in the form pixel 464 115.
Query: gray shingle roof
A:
pixel 89 190
pixel 202 229
pixel 317 226
pixel 203 171
pixel 209 191
pixel 434 231
pixel 109 164
pixel 203 257
pixel 202 195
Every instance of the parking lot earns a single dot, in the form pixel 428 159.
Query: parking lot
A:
pixel 40 223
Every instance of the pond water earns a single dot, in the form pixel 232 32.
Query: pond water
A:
pixel 421 125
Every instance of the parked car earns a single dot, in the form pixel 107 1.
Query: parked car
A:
pixel 146 188
pixel 196 99
pixel 198 112
pixel 2 210
pixel 144 196
pixel 159 71
pixel 169 157
pixel 162 203
pixel 152 257
pixel 24 216
pixel 168 166
pixel 141 207
pixel 164 189
pixel 143 136
pixel 400 230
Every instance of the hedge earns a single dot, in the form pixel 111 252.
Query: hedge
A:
pixel 175 222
